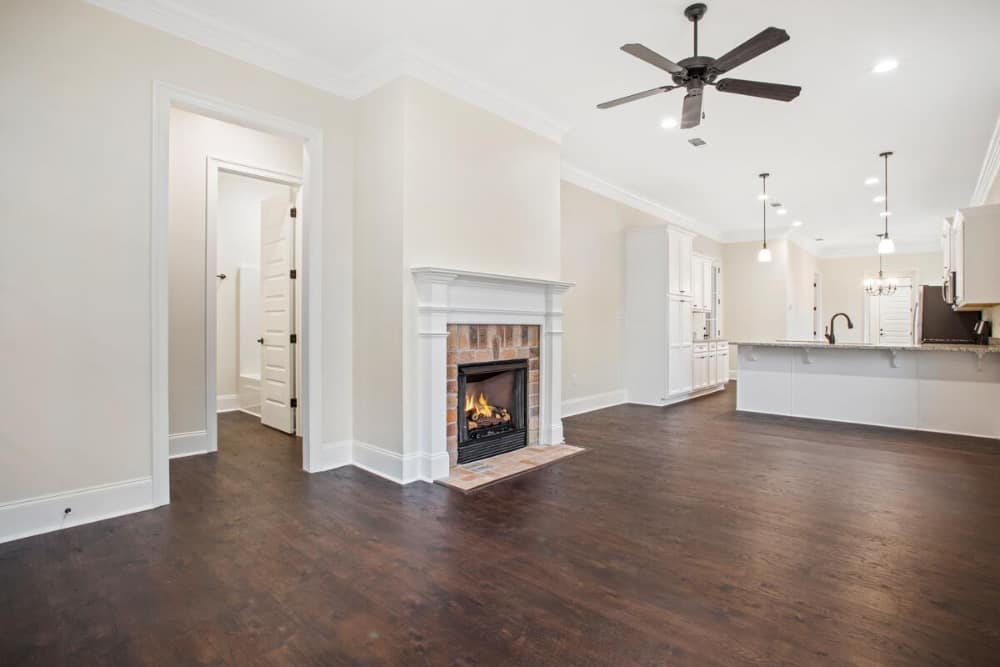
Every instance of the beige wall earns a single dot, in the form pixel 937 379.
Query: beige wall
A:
pixel 194 139
pixel 378 268
pixel 439 183
pixel 754 296
pixel 843 284
pixel 76 141
pixel 593 256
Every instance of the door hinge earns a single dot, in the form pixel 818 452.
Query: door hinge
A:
pixel 295 402
pixel 293 274
pixel 294 212
pixel 294 338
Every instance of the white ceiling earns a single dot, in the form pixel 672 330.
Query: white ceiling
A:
pixel 557 58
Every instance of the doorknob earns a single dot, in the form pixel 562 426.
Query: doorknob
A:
pixel 221 276
pixel 260 340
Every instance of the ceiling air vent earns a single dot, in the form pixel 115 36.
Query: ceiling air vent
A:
pixel 697 141
pixel 776 204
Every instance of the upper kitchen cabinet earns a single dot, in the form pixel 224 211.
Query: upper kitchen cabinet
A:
pixel 971 249
pixel 702 274
pixel 681 245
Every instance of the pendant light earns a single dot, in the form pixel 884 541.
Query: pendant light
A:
pixel 880 286
pixel 885 245
pixel 764 255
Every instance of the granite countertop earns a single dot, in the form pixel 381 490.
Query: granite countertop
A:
pixel 711 340
pixel 926 347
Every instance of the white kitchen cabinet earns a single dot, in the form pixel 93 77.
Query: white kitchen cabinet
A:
pixel 701 363
pixel 973 282
pixel 702 273
pixel 660 350
pixel 722 365
pixel 681 245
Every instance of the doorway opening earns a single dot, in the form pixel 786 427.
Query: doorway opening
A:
pixel 889 318
pixel 253 213
pixel 196 141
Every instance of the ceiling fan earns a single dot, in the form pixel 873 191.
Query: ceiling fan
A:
pixel 696 72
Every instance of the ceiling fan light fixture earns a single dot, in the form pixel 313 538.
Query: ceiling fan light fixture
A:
pixel 885 65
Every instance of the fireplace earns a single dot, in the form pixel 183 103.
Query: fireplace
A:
pixel 493 408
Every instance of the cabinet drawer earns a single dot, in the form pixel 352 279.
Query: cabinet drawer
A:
pixel 700 348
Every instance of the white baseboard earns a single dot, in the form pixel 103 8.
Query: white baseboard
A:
pixel 188 444
pixel 577 406
pixel 335 455
pixel 43 514
pixel 227 402
pixel 392 466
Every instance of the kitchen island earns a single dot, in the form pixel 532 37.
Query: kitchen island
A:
pixel 942 388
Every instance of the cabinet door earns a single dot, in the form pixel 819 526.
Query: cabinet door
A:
pixel 713 370
pixel 684 249
pixel 958 259
pixel 708 295
pixel 722 367
pixel 681 370
pixel 673 263
pixel 700 378
pixel 697 283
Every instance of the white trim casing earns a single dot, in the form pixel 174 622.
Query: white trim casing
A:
pixel 227 403
pixel 447 296
pixel 43 514
pixel 579 406
pixel 166 96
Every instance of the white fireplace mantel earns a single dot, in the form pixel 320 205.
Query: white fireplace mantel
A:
pixel 450 296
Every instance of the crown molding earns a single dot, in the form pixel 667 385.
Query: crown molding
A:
pixel 247 46
pixel 405 60
pixel 585 179
pixel 990 170
pixel 384 66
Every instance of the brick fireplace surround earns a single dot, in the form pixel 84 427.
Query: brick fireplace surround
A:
pixel 491 342
pixel 513 318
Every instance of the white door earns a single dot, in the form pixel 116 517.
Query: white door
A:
pixel 277 301
pixel 894 318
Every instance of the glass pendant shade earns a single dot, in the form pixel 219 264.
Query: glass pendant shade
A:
pixel 886 246
pixel 764 255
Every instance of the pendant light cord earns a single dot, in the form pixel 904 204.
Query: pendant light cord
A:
pixel 763 210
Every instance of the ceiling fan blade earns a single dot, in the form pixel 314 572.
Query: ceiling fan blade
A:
pixel 634 96
pixel 765 40
pixel 771 91
pixel 653 58
pixel 691 113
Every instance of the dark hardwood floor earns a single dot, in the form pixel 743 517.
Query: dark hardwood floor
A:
pixel 687 535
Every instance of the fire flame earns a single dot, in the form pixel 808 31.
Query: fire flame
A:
pixel 479 407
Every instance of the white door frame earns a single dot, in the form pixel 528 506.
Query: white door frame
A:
pixel 216 165
pixel 165 97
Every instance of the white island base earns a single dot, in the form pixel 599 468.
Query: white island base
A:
pixel 948 390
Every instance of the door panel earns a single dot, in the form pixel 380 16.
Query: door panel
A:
pixel 277 301
pixel 894 318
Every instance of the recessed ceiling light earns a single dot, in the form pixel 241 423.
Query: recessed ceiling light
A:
pixel 871 180
pixel 887 65
pixel 668 123
pixel 878 199
pixel 796 223
pixel 885 214
pixel 763 197
pixel 782 211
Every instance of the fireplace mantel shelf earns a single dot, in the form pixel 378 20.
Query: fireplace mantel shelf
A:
pixel 442 273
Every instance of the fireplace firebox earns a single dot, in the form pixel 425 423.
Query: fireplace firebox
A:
pixel 492 408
